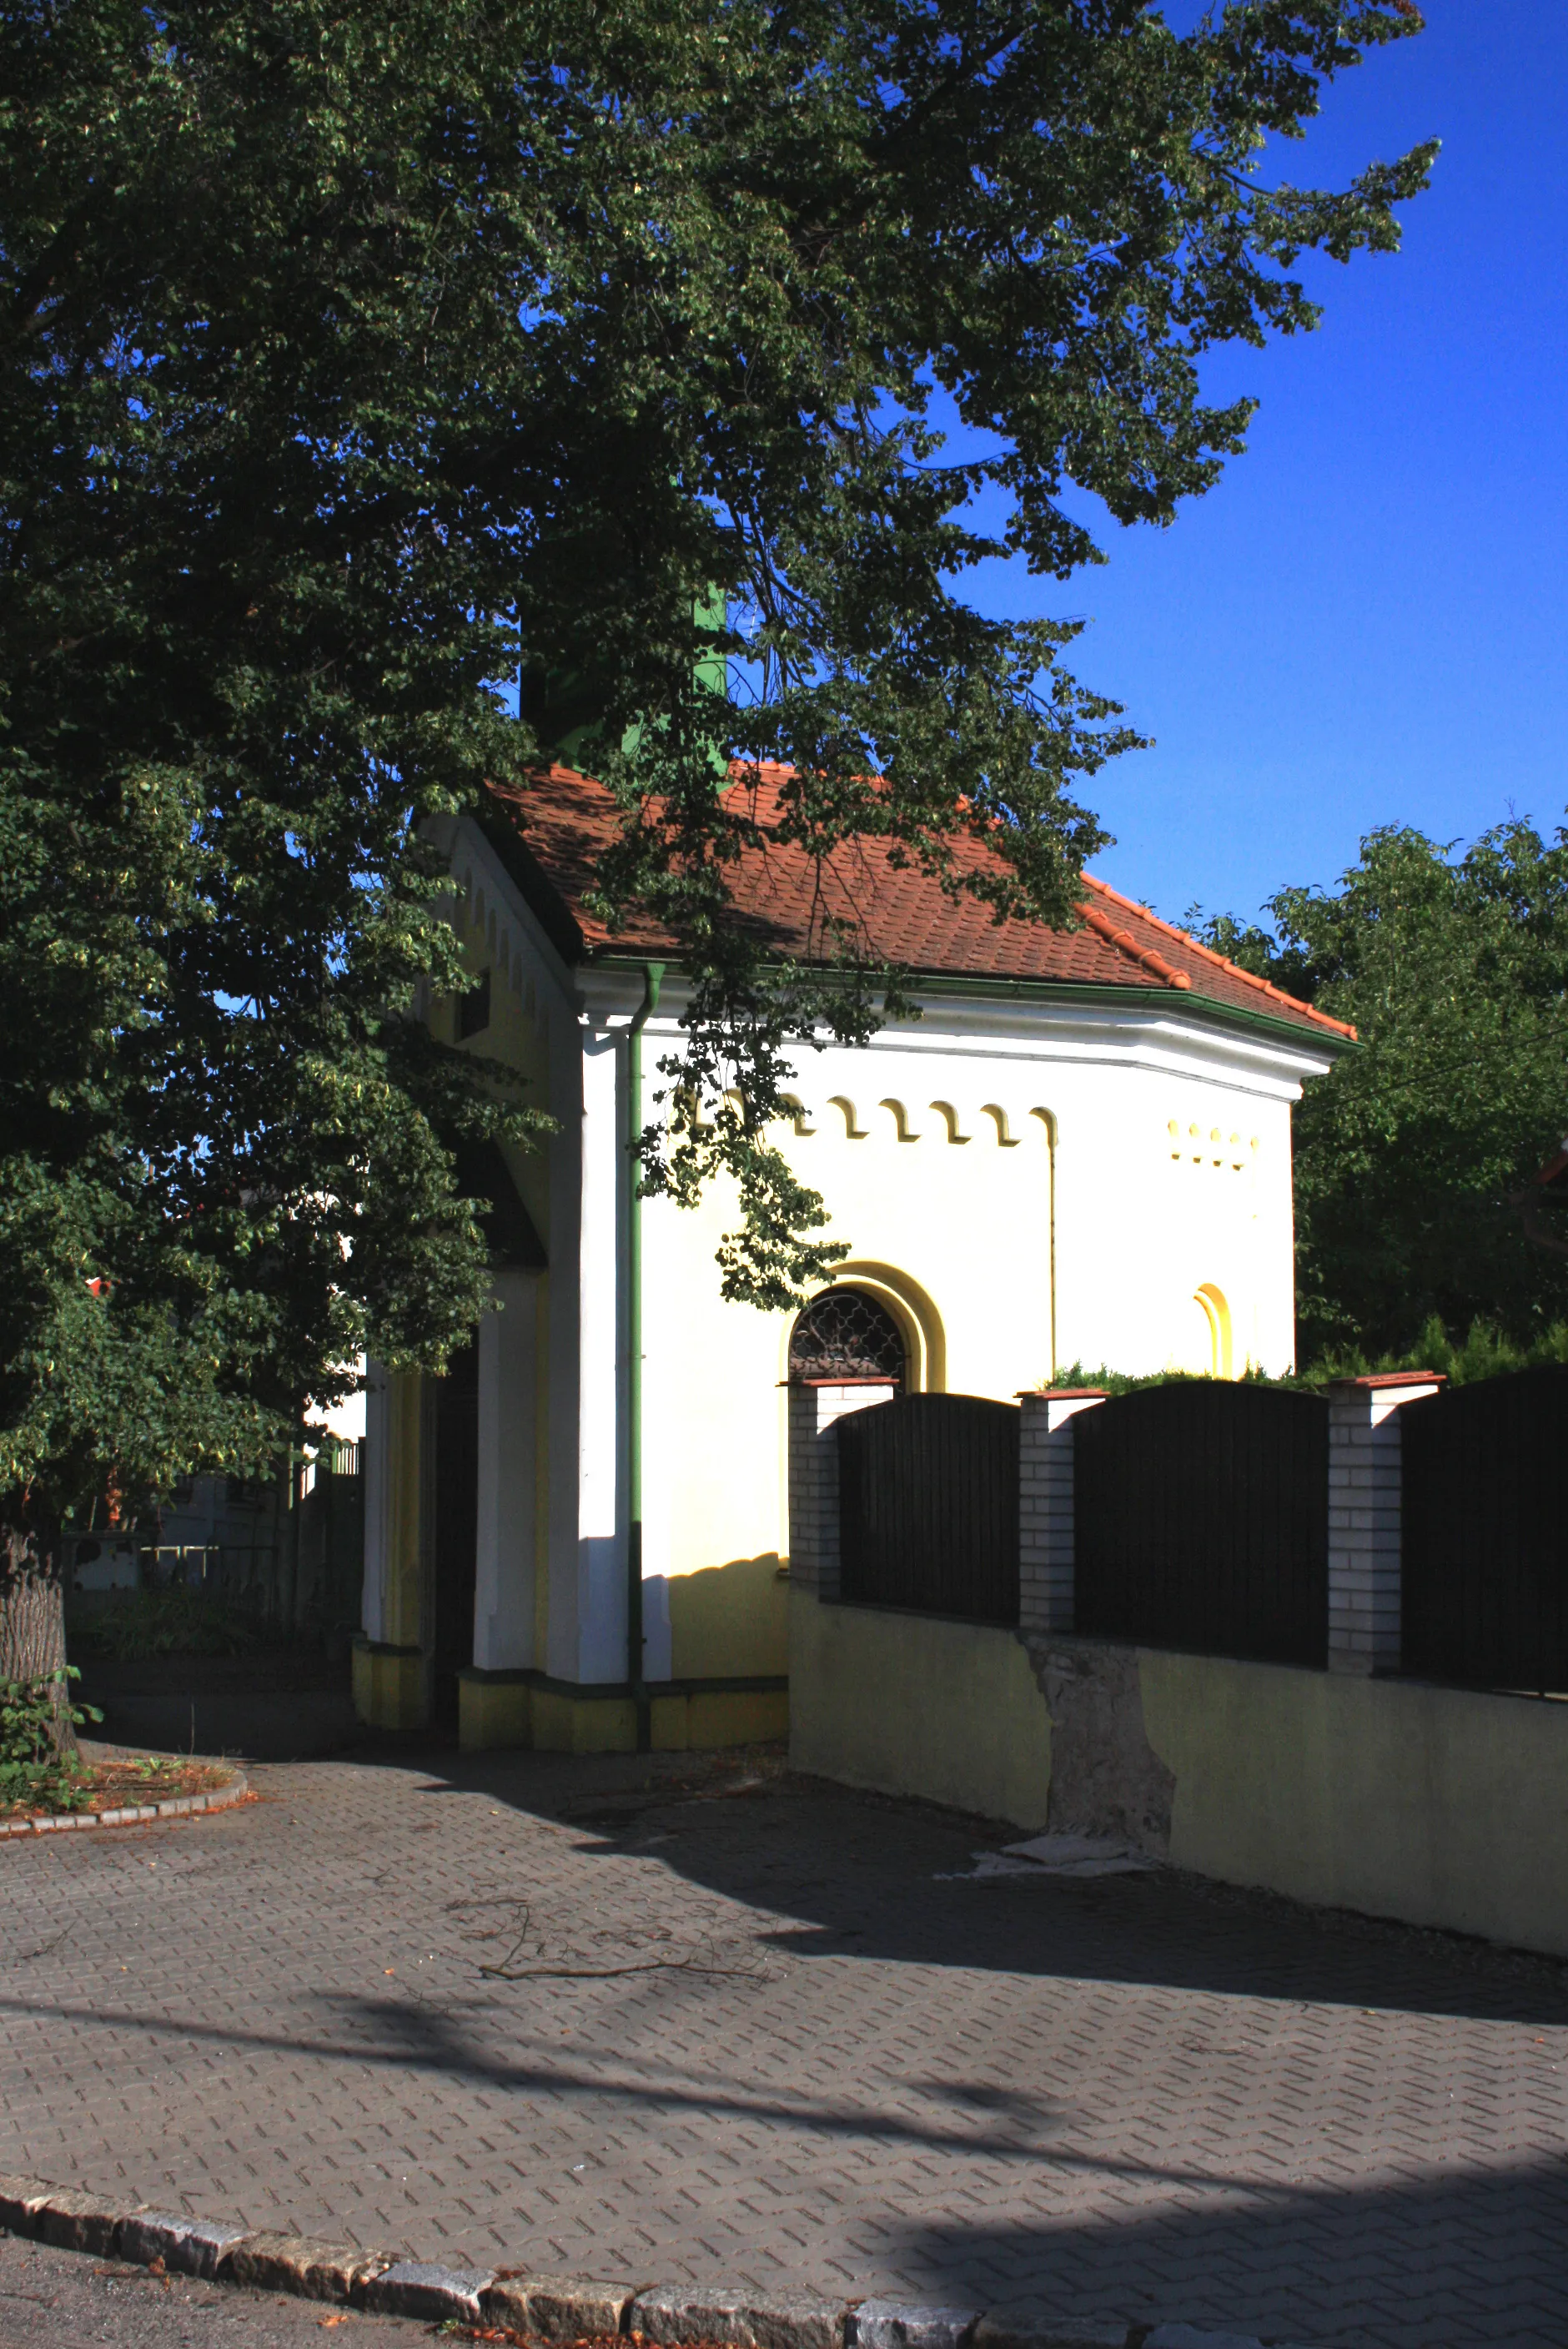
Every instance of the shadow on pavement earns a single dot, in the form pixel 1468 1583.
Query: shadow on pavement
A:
pixel 281 1704
pixel 1482 2275
pixel 854 1874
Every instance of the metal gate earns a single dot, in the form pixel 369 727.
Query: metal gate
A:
pixel 1200 1520
pixel 1484 1571
pixel 928 1505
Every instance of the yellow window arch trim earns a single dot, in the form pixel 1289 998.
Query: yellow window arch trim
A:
pixel 1217 1314
pixel 919 1322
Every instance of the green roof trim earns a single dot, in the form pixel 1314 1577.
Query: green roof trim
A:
pixel 1186 1001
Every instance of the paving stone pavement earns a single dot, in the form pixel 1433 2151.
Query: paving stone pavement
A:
pixel 682 2021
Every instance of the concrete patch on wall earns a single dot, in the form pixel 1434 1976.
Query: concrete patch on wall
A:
pixel 1105 1777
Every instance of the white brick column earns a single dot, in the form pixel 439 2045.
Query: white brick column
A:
pixel 814 1478
pixel 1046 1505
pixel 1364 1487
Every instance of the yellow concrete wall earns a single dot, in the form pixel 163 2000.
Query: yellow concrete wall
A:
pixel 730 1621
pixel 912 1704
pixel 1438 1807
pixel 1441 1806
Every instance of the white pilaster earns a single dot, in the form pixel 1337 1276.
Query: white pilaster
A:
pixel 588 1600
pixel 1364 1517
pixel 507 1414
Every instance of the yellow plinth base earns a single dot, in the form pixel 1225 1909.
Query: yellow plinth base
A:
pixel 389 1685
pixel 550 1719
pixel 710 1717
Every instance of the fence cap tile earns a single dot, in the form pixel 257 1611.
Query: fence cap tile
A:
pixel 1060 1395
pixel 1395 1378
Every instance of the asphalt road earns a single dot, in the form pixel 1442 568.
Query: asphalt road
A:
pixel 66 2300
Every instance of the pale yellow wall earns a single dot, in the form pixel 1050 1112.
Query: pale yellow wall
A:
pixel 1146 1218
pixel 967 1227
pixel 913 1704
pixel 963 1230
pixel 730 1621
pixel 1441 1806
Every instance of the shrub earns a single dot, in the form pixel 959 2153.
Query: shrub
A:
pixel 36 1773
pixel 172 1622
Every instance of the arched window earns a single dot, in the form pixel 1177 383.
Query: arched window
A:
pixel 846 1334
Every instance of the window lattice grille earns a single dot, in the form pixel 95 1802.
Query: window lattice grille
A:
pixel 846 1334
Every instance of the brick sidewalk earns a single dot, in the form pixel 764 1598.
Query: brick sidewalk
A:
pixel 1137 2095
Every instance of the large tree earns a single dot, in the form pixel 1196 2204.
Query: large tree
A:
pixel 1415 1156
pixel 363 365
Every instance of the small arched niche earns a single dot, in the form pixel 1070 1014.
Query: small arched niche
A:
pixel 952 1124
pixel 995 1117
pixel 1211 1304
pixel 854 1130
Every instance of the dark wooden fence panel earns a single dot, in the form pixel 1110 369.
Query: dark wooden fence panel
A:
pixel 1200 1516
pixel 928 1505
pixel 1484 1571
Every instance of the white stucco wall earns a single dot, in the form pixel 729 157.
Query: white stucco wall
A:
pixel 1139 1218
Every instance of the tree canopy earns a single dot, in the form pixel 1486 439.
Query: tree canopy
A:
pixel 1415 1156
pixel 364 363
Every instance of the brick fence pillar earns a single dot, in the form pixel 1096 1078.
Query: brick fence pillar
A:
pixel 1364 1490
pixel 1045 1505
pixel 814 1478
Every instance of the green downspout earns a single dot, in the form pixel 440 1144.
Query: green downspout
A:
pixel 652 980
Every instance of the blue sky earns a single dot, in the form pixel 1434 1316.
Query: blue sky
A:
pixel 1366 622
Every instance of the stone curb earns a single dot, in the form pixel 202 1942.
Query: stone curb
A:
pixel 550 2308
pixel 178 1807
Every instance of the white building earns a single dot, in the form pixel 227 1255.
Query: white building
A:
pixel 1079 1153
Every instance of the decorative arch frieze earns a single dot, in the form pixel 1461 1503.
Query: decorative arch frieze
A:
pixel 513 964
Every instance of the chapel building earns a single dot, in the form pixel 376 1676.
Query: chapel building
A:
pixel 1080 1153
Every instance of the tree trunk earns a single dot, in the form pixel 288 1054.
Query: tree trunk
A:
pixel 33 1608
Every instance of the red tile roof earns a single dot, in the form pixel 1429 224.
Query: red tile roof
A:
pixel 566 820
